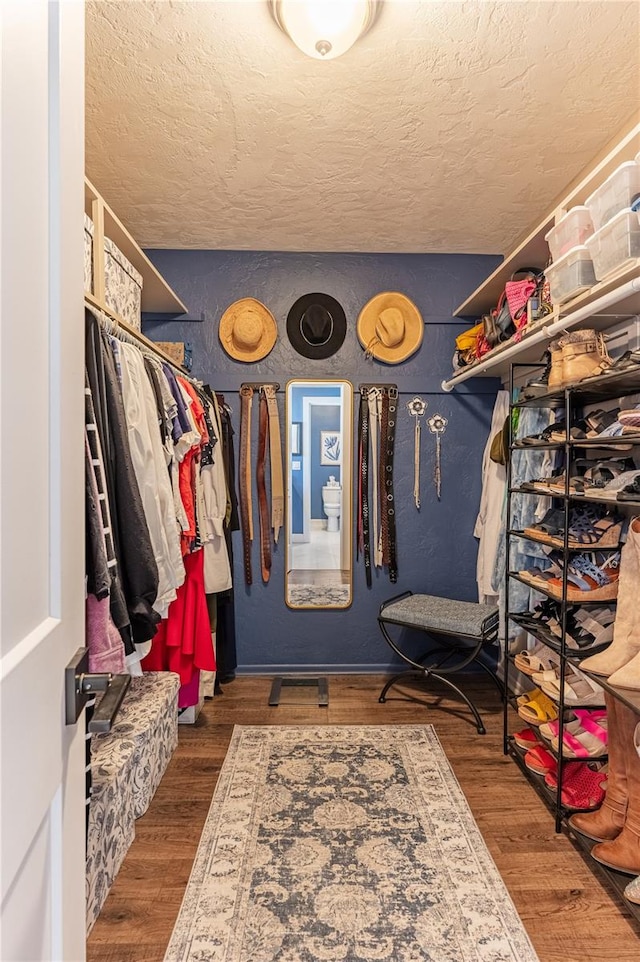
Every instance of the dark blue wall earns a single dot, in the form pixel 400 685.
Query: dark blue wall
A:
pixel 436 548
pixel 322 419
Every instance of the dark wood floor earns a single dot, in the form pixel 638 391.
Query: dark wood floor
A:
pixel 568 914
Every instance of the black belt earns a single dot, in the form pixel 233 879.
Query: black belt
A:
pixel 387 441
pixel 389 397
pixel 363 456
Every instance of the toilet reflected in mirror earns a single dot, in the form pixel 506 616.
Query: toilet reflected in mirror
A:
pixel 332 503
pixel 319 451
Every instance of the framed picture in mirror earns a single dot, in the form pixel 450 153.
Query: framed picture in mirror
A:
pixel 330 448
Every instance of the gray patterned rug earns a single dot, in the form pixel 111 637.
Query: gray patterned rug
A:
pixel 343 844
pixel 313 596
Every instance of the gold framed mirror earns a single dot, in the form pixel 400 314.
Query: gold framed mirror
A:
pixel 319 452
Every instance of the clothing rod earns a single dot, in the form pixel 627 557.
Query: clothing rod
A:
pixel 107 318
pixel 256 385
pixel 378 385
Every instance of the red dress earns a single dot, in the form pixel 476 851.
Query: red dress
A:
pixel 183 643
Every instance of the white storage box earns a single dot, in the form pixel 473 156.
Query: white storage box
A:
pixel 617 193
pixel 615 244
pixel 88 254
pixel 570 274
pixel 571 231
pixel 122 285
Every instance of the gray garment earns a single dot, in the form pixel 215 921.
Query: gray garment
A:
pixel 526 464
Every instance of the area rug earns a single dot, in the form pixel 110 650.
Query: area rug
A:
pixel 343 844
pixel 319 595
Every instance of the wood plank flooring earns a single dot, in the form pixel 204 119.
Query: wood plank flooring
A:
pixel 569 915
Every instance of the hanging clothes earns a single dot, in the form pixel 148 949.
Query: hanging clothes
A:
pixel 225 624
pixel 217 571
pixel 151 472
pixel 131 607
pixel 488 527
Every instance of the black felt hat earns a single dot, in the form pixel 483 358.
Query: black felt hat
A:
pixel 316 325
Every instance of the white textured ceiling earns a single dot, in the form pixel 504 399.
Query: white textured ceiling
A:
pixel 450 127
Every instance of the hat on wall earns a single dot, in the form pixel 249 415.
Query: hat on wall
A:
pixel 390 327
pixel 316 325
pixel 248 330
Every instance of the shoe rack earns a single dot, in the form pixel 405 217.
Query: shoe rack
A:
pixel 574 400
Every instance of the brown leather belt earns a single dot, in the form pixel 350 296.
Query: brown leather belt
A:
pixel 263 506
pixel 244 477
pixel 275 453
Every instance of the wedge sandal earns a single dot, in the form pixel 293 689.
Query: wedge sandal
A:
pixel 535 707
pixel 589 740
pixel 589 530
pixel 578 688
pixel 538 659
pixel 526 739
pixel 540 760
pixel 590 577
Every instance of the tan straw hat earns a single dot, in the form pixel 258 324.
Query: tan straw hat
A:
pixel 248 330
pixel 390 327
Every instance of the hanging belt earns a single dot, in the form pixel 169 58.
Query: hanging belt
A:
pixel 374 432
pixel 263 504
pixel 388 425
pixel 384 515
pixel 363 437
pixel 275 454
pixel 244 478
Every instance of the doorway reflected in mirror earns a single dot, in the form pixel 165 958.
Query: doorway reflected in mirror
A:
pixel 319 420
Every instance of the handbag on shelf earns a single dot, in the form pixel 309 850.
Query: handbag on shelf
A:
pixel 466 345
pixel 510 314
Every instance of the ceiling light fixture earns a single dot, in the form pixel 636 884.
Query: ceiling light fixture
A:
pixel 325 29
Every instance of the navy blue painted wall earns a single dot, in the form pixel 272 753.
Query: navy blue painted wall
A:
pixel 436 548
pixel 322 419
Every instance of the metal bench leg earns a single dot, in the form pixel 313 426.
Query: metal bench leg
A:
pixel 425 674
pixel 421 671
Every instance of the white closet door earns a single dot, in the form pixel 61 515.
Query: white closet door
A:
pixel 41 478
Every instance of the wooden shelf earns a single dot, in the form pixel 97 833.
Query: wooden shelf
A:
pixel 157 295
pixel 621 296
pixel 134 333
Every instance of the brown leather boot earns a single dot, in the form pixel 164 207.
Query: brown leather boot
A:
pixel 608 821
pixel 623 853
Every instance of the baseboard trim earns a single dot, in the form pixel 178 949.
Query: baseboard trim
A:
pixel 317 669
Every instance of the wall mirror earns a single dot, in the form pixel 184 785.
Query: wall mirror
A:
pixel 319 417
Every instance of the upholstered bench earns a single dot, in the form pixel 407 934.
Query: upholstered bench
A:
pixel 127 765
pixel 465 627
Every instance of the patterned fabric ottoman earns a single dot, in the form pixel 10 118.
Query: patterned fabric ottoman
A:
pixel 147 726
pixel 111 821
pixel 127 765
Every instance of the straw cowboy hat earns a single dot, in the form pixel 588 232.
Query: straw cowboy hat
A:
pixel 248 330
pixel 390 327
pixel 316 326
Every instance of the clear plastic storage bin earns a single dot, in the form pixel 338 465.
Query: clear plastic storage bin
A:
pixel 615 244
pixel 571 231
pixel 617 193
pixel 571 274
